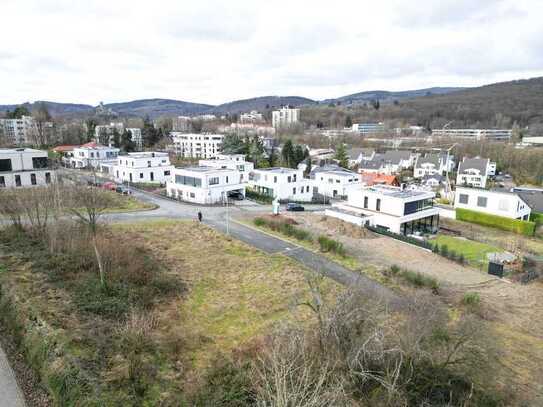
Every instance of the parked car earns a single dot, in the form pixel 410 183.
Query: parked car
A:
pixel 110 186
pixel 294 207
pixel 236 195
pixel 123 190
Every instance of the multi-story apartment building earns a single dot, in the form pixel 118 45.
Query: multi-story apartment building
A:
pixel 475 134
pixel 204 185
pixel 104 133
pixel 231 162
pixel 474 172
pixel 18 132
pixel 24 167
pixel 182 124
pixel 251 117
pixel 148 167
pixel 286 184
pixel 137 137
pixel 285 117
pixel 391 208
pixel 92 155
pixel 501 203
pixel 367 129
pixel 190 145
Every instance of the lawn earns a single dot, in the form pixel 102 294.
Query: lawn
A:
pixel 123 203
pixel 233 295
pixel 474 252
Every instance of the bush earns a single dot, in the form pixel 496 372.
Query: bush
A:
pixel 420 280
pixel 471 299
pixel 537 218
pixel 284 228
pixel 251 194
pixel 259 222
pixel 452 255
pixel 461 259
pixel 525 228
pixel 330 245
pixel 435 248
pixel 394 269
pixel 444 250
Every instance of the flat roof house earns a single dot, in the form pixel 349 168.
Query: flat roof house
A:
pixel 287 184
pixel 333 181
pixel 92 155
pixel 204 185
pixel 474 172
pixel 24 167
pixel 231 162
pixel 501 203
pixel 191 145
pixel 391 208
pixel 145 167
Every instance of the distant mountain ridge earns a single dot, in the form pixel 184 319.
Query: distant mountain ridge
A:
pixel 391 96
pixel 261 103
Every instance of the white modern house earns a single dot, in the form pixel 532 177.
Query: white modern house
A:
pixel 474 172
pixel 333 181
pixel 24 167
pixel 204 185
pixel 190 145
pixel 285 117
pixel 147 167
pixel 391 208
pixel 232 162
pixel 501 203
pixel 286 184
pixel 93 155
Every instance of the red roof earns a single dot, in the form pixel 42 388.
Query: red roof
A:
pixel 92 144
pixel 64 148
pixel 372 178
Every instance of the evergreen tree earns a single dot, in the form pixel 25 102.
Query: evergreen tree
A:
pixel 307 166
pixel 116 138
pixel 149 133
pixel 256 151
pixel 272 157
pixel 126 142
pixel 234 144
pixel 348 121
pixel 341 156
pixel 287 154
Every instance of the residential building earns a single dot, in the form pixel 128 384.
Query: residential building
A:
pixel 357 155
pixel 389 162
pixel 532 196
pixel 204 185
pixel 285 117
pixel 536 141
pixel 391 208
pixel 474 172
pixel 232 162
pixel 136 137
pixel 367 129
pixel 205 117
pixel 375 178
pixel 433 163
pixel 319 154
pixel 182 124
pixel 251 117
pixel 147 167
pixel 17 132
pixel 500 203
pixel 103 133
pixel 286 184
pixel 333 181
pixel 433 181
pixel 190 145
pixel 92 155
pixel 24 167
pixel 475 134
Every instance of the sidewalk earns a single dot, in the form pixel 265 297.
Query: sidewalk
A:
pixel 10 393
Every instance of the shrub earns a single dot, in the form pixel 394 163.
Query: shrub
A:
pixel 537 218
pixel 471 299
pixel 452 255
pixel 251 194
pixel 499 222
pixel 394 269
pixel 330 245
pixel 444 250
pixel 259 222
pixel 420 280
pixel 435 248
pixel 284 228
pixel 461 259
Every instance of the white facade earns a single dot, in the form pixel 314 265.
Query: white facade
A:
pixel 474 172
pixel 182 124
pixel 475 134
pixel 204 185
pixel 92 155
pixel 137 138
pixel 287 184
pixel 285 117
pixel 19 131
pixel 334 182
pixel 190 145
pixel 506 204
pixel 391 208
pixel 366 129
pixel 433 164
pixel 232 162
pixel 251 117
pixel 145 167
pixel 24 167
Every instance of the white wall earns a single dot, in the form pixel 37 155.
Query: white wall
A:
pixel 331 184
pixel 298 189
pixel 497 203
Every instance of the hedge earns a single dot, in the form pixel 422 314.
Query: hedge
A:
pixel 537 218
pixel 499 222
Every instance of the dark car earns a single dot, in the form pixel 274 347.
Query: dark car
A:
pixel 294 207
pixel 236 195
pixel 123 190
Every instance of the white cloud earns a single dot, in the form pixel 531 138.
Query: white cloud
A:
pixel 216 51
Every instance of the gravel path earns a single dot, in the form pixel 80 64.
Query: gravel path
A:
pixel 10 393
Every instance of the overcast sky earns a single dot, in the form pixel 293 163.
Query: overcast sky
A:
pixel 213 52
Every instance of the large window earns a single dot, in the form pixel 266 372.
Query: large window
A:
pixel 2 182
pixel 33 179
pixel 378 205
pixel 5 165
pixel 39 162
pixel 192 181
pixel 482 201
pixel 17 180
pixel 214 181
pixel 365 202
pixel 463 199
pixel 47 177
pixel 417 206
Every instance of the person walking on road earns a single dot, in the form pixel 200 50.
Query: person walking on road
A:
pixel 199 216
